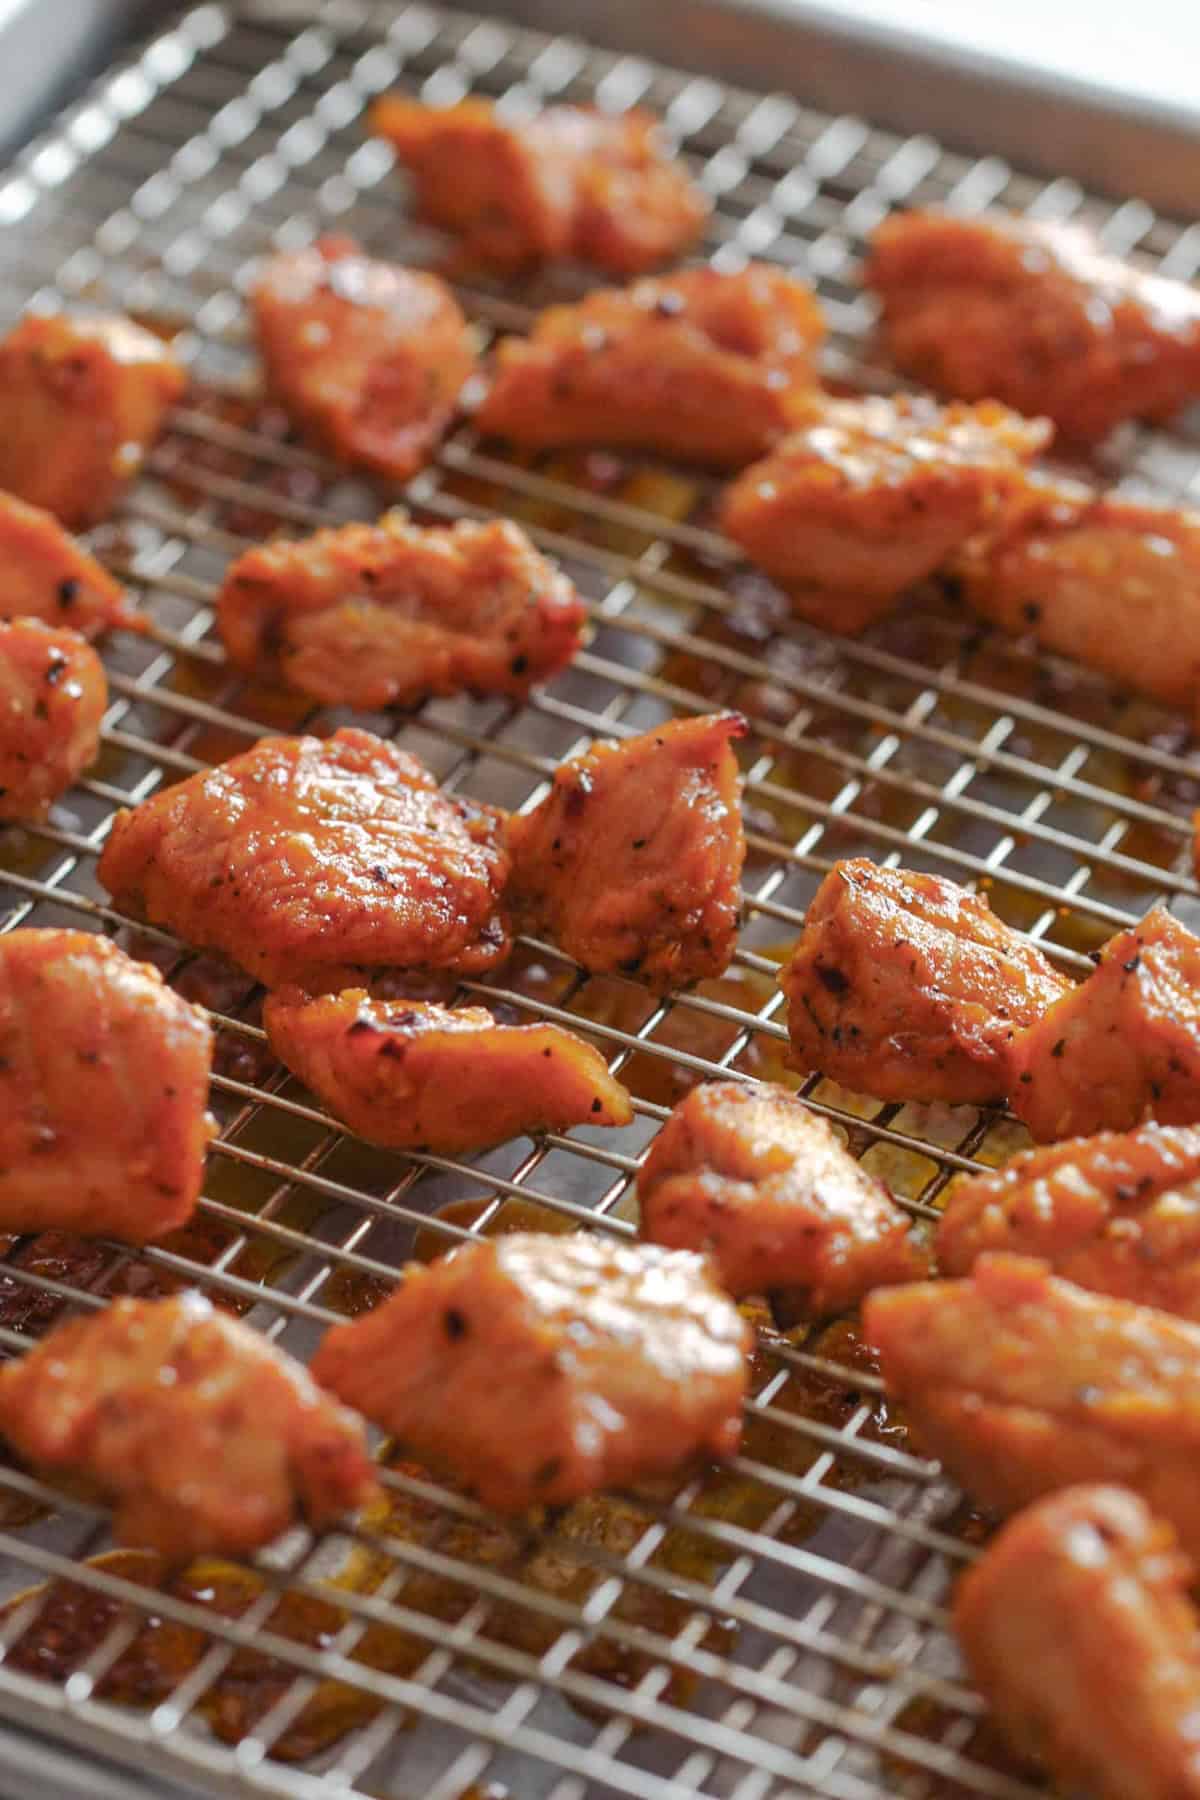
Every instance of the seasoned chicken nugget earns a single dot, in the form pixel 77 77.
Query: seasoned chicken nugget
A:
pixel 908 987
pixel 870 496
pixel 380 615
pixel 571 181
pixel 1032 312
pixel 632 861
pixel 48 576
pixel 702 365
pixel 206 1437
pixel 84 399
pixel 761 1184
pixel 539 1367
pixel 368 358
pixel 53 695
pixel 304 859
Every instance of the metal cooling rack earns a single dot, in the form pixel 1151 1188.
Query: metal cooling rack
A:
pixel 774 1630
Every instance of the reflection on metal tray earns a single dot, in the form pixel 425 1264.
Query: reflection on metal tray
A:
pixel 774 1630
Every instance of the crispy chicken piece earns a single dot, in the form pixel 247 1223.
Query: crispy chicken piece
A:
pixel 53 695
pixel 368 358
pixel 416 1076
pixel 379 615
pixel 84 399
pixel 701 365
pixel 763 1185
pixel 1121 1047
pixel 539 1367
pixel 570 182
pixel 205 1436
pixel 304 859
pixel 1035 314
pixel 870 496
pixel 103 1086
pixel 48 576
pixel 908 987
pixel 632 861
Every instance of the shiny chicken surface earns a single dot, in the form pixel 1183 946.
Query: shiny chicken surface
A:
pixel 1033 313
pixel 306 858
pixel 103 1088
pixel 539 1367
pixel 414 1075
pixel 84 399
pixel 632 861
pixel 48 576
pixel 53 695
pixel 380 615
pixel 571 181
pixel 765 1188
pixel 701 365
pixel 908 987
pixel 206 1437
pixel 368 358
pixel 869 496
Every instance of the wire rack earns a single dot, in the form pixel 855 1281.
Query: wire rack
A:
pixel 775 1629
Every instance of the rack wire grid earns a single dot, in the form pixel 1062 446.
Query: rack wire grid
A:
pixel 775 1628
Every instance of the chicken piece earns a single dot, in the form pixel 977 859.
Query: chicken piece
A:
pixel 701 365
pixel 539 1367
pixel 1023 1383
pixel 84 399
pixel 908 987
pixel 48 576
pixel 763 1185
pixel 368 358
pixel 53 695
pixel 304 859
pixel 571 181
pixel 103 1086
pixel 1121 1047
pixel 632 861
pixel 206 1437
pixel 870 496
pixel 380 615
pixel 1033 313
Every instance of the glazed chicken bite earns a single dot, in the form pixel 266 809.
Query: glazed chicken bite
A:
pixel 571 181
pixel 908 987
pixel 1123 1046
pixel 84 400
pixel 701 365
pixel 306 858
pixel 632 861
pixel 381 615
pixel 1032 312
pixel 761 1184
pixel 48 576
pixel 869 496
pixel 368 358
pixel 416 1076
pixel 540 1367
pixel 206 1437
pixel 53 696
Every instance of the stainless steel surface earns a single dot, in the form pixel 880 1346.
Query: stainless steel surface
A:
pixel 776 1630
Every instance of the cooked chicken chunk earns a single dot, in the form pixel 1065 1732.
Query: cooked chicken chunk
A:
pixel 571 181
pixel 53 695
pixel 763 1185
pixel 870 496
pixel 84 399
pixel 368 358
pixel 1035 314
pixel 700 365
pixel 539 1367
pixel 103 1086
pixel 1023 1383
pixel 379 615
pixel 304 859
pixel 1077 1627
pixel 908 987
pixel 1121 1047
pixel 205 1436
pixel 48 576
pixel 632 861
